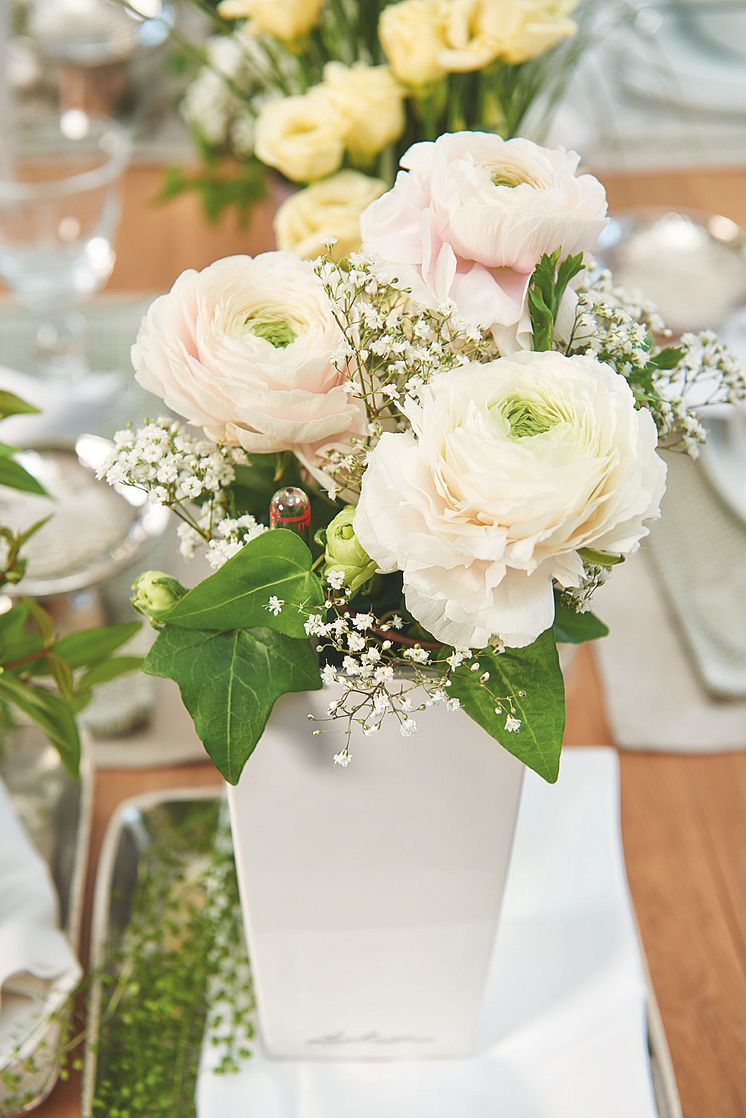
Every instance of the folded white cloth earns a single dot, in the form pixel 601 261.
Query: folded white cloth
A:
pixel 563 1033
pixel 66 411
pixel 33 951
pixel 653 694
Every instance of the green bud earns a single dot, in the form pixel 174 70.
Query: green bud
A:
pixel 343 551
pixel 155 592
pixel 599 558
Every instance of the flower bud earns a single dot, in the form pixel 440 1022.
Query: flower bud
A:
pixel 343 551
pixel 155 592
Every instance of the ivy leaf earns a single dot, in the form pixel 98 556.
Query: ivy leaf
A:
pixel 229 682
pixel 89 645
pixel 10 404
pixel 575 628
pixel 50 712
pixel 235 597
pixel 534 670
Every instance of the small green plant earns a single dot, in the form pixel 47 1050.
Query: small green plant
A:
pixel 45 677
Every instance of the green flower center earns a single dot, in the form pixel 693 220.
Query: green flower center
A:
pixel 276 331
pixel 526 417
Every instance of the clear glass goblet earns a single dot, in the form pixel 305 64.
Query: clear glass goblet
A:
pixel 59 209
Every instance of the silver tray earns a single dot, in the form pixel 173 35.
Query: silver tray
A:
pixel 129 834
pixel 55 811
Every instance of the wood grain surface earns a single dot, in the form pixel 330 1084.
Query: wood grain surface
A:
pixel 683 817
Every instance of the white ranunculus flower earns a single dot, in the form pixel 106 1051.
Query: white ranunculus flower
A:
pixel 470 217
pixel 244 350
pixel 412 35
pixel 326 210
pixel 285 19
pixel 371 101
pixel 303 136
pixel 510 468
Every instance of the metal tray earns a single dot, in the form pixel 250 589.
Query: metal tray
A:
pixel 55 810
pixel 129 834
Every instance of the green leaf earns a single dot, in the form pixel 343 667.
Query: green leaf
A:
pixel 229 683
pixel 10 404
pixel 50 712
pixel 534 670
pixel 542 320
pixel 82 648
pixel 599 558
pixel 666 359
pixel 16 477
pixel 575 628
pixel 235 597
pixel 17 640
pixel 110 669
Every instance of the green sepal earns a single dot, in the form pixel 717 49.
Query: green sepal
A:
pixel 534 670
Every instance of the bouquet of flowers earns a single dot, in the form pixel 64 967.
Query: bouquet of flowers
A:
pixel 332 93
pixel 471 413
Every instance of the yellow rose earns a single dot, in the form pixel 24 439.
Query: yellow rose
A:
pixel 329 209
pixel 285 19
pixel 303 137
pixel 370 100
pixel 412 34
pixel 472 33
pixel 532 27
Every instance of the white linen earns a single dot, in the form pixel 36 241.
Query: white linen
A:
pixel 563 1032
pixel 37 965
pixel 654 697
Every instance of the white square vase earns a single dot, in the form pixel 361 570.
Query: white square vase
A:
pixel 371 893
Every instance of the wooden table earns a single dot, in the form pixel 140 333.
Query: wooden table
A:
pixel 683 817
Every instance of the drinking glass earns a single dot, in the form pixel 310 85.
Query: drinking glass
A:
pixel 59 209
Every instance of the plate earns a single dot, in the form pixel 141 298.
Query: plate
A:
pixel 128 837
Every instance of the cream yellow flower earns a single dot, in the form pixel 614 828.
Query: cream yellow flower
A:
pixel 370 99
pixel 285 19
pixel 413 36
pixel 327 210
pixel 532 27
pixel 303 137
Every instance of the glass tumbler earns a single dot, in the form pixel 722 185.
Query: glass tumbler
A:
pixel 59 209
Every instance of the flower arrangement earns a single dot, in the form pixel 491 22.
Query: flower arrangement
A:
pixel 331 93
pixel 46 678
pixel 476 414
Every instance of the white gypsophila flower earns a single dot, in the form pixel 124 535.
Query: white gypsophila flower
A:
pixel 243 349
pixel 274 605
pixel 471 215
pixel 510 469
pixel 342 758
pixel 229 536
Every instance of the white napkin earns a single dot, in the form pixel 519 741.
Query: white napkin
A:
pixel 563 1032
pixel 33 951
pixel 653 695
pixel 66 411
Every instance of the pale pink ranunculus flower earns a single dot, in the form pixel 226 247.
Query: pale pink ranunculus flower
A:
pixel 471 215
pixel 244 350
pixel 509 470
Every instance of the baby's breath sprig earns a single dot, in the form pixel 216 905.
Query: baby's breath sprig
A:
pixel 391 347
pixel 672 382
pixel 187 474
pixel 381 673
